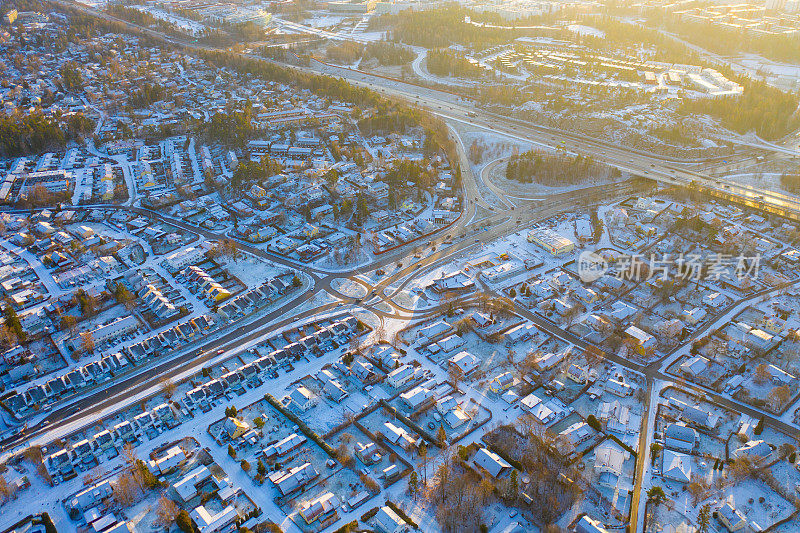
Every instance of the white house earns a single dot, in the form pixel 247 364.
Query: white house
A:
pixel 465 361
pixel 387 521
pixel 608 460
pixel 182 258
pixel 495 465
pixel 417 397
pixel 693 316
pixel 400 376
pixel 694 366
pixel 302 398
pixel 677 466
pixel 450 344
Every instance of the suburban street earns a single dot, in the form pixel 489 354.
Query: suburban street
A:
pixel 486 213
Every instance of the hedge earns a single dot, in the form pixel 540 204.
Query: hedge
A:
pixel 393 506
pixel 413 425
pixel 347 528
pixel 369 514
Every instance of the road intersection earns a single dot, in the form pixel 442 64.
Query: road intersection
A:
pixel 479 218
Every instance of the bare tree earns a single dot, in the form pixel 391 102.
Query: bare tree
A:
pixel 778 396
pixel 455 374
pixel 129 453
pixel 167 388
pixel 762 373
pixel 166 511
pixel 87 342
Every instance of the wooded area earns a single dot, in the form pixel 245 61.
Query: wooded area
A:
pixel 555 169
pixel 446 62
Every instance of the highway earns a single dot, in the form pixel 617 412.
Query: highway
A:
pixel 452 107
pixel 499 224
pixel 637 162
pixel 464 235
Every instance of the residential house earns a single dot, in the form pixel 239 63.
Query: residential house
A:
pixel 608 460
pixel 676 466
pixel 387 521
pixel 577 374
pixel 618 387
pixel 589 525
pixel 334 390
pixel 284 446
pixel 694 366
pixel 730 517
pixel 539 409
pixel 678 436
pixel 398 436
pixel 496 466
pixel 464 361
pixel 417 398
pixel 287 481
pixel 644 343
pixel 222 522
pixel 400 376
pixel 450 344
pixel 320 508
pixel 501 382
pixel 235 428
pixel 757 450
pixel 368 453
pixel 302 398
pixel 693 316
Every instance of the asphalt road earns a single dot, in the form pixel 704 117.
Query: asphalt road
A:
pixel 450 106
pixel 499 222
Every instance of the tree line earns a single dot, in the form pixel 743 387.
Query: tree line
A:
pixel 790 181
pixel 767 110
pixel 147 94
pixel 249 171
